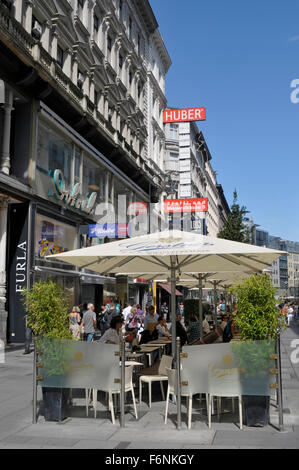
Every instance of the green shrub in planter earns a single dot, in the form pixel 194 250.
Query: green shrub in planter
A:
pixel 48 317
pixel 257 315
pixel 258 320
pixel 48 310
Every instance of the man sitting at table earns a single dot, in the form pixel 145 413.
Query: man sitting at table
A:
pixel 162 329
pixel 150 322
pixel 151 319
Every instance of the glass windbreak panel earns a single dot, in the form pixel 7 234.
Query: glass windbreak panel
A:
pixel 53 237
pixel 256 365
pixel 54 152
pixel 78 364
pixel 235 368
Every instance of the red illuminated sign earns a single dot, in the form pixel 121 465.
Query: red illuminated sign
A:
pixel 172 206
pixel 137 208
pixel 184 115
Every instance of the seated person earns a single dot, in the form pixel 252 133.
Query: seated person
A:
pixel 111 336
pixel 151 318
pixel 193 330
pixel 162 329
pixel 181 330
pixel 206 326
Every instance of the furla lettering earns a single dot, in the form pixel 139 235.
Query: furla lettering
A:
pixel 21 267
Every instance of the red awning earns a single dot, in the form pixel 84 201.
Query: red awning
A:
pixel 167 287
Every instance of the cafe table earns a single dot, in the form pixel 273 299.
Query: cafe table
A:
pixel 149 349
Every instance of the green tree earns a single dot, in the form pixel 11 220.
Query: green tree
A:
pixel 235 228
pixel 48 310
pixel 257 315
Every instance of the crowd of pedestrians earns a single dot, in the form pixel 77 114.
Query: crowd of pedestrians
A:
pixel 141 326
pixel 290 311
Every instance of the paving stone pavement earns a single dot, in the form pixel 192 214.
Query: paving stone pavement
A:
pixel 149 432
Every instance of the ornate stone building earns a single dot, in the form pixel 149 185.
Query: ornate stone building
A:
pixel 82 84
pixel 188 164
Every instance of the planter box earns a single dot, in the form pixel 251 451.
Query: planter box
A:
pixel 256 410
pixel 55 403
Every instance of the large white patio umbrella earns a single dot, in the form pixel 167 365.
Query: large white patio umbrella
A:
pixel 171 253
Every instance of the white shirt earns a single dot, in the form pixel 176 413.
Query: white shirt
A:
pixel 161 330
pixel 126 312
pixel 110 336
pixel 206 327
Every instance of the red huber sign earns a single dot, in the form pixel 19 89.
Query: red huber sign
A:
pixel 172 206
pixel 184 115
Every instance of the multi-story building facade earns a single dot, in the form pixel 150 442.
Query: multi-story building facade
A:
pixel 82 84
pixel 285 270
pixel 188 164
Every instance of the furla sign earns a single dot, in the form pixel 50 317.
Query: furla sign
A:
pixel 184 115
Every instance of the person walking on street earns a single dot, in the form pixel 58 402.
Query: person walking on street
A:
pixel 75 319
pixel 164 310
pixel 28 338
pixel 127 310
pixel 111 314
pixel 89 322
pixel 290 315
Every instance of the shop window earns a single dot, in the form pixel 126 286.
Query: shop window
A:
pixel 53 237
pixel 93 178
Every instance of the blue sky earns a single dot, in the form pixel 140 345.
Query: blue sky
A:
pixel 238 59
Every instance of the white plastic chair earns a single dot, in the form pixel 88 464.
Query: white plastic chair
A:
pixel 128 388
pixel 224 383
pixel 186 391
pixel 161 377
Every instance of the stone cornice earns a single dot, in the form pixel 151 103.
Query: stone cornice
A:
pixel 147 15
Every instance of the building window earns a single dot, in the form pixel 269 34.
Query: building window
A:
pixel 96 23
pixel 60 56
pixel 121 61
pixel 139 90
pixel 130 77
pixel 139 44
pixel 80 6
pixel 121 9
pixel 130 27
pixel 174 132
pixel 96 99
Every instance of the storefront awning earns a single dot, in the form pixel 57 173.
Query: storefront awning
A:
pixel 167 287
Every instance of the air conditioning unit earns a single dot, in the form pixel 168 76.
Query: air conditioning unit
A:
pixel 80 80
pixel 37 30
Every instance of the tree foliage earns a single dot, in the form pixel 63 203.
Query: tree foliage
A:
pixel 48 310
pixel 235 228
pixel 257 315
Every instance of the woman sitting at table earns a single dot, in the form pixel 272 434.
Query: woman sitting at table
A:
pixel 111 336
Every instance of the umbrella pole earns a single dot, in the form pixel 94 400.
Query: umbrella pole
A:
pixel 173 311
pixel 200 305
pixel 215 304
